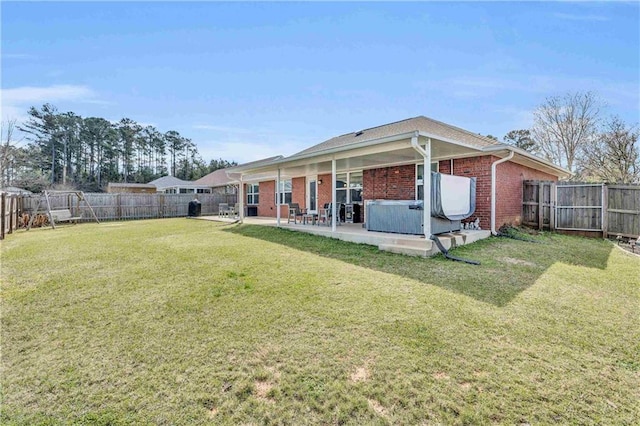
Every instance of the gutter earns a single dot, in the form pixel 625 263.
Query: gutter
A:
pixel 493 188
pixel 333 150
pixel 502 147
pixel 349 147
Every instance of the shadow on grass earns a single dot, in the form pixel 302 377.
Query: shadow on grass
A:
pixel 507 268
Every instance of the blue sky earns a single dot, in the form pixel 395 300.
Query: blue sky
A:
pixel 248 80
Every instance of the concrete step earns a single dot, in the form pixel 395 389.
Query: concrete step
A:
pixel 426 248
pixel 407 250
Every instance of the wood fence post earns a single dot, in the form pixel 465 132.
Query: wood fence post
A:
pixel 12 220
pixel 541 205
pixel 118 207
pixel 605 211
pixel 3 200
pixel 552 207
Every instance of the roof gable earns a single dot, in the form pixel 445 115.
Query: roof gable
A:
pixel 421 123
pixel 216 178
pixel 169 181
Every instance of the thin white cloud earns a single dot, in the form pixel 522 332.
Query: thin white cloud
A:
pixel 244 144
pixel 222 129
pixel 18 56
pixel 16 101
pixel 252 146
pixel 586 18
pixel 242 152
pixel 31 94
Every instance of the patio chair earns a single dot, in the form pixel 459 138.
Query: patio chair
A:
pixel 326 214
pixel 235 210
pixel 294 213
pixel 223 209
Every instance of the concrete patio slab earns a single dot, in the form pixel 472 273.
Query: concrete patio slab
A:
pixel 411 245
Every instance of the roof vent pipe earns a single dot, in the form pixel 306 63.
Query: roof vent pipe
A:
pixel 493 189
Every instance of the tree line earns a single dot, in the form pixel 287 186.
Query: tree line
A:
pixel 573 132
pixel 66 150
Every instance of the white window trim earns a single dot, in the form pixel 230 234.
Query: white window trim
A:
pixel 419 182
pixel 307 181
pixel 348 188
pixel 282 191
pixel 252 194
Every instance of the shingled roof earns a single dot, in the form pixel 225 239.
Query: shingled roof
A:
pixel 420 123
pixel 215 179
pixel 170 181
pixel 221 177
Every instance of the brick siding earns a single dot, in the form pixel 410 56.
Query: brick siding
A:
pixel 509 188
pixel 399 183
pixel 389 183
pixel 299 191
pixel 324 189
pixel 267 202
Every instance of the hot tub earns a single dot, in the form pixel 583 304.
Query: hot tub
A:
pixel 452 199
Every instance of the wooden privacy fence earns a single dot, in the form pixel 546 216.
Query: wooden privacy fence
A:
pixel 582 207
pixel 125 206
pixel 10 208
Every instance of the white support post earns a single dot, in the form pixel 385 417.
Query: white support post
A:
pixel 426 185
pixel 426 182
pixel 333 196
pixel 278 199
pixel 241 200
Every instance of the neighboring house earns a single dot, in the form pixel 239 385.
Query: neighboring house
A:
pixel 225 181
pixel 138 188
pixel 219 182
pixel 388 162
pixel 173 185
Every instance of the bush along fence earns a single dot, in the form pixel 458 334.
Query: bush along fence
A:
pixel 582 208
pixel 125 206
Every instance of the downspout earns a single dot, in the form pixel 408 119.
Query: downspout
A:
pixel 241 200
pixel 426 182
pixel 334 210
pixel 493 189
pixel 278 199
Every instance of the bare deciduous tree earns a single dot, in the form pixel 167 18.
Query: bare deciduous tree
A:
pixel 7 151
pixel 614 156
pixel 563 126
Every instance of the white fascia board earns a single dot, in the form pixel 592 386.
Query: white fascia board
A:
pixel 318 155
pixel 447 140
pixel 330 153
pixel 560 171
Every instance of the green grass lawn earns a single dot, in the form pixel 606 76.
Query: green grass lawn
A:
pixel 193 322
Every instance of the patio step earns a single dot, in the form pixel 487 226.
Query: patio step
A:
pixel 402 249
pixel 426 248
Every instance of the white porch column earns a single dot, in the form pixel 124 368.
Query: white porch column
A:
pixel 278 199
pixel 333 195
pixel 426 185
pixel 241 200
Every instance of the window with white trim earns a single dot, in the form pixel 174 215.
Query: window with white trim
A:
pixel 285 192
pixel 349 187
pixel 419 178
pixel 253 196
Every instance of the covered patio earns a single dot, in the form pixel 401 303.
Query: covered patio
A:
pixel 321 167
pixel 385 172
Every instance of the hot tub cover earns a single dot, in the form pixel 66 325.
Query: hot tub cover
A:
pixel 452 197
